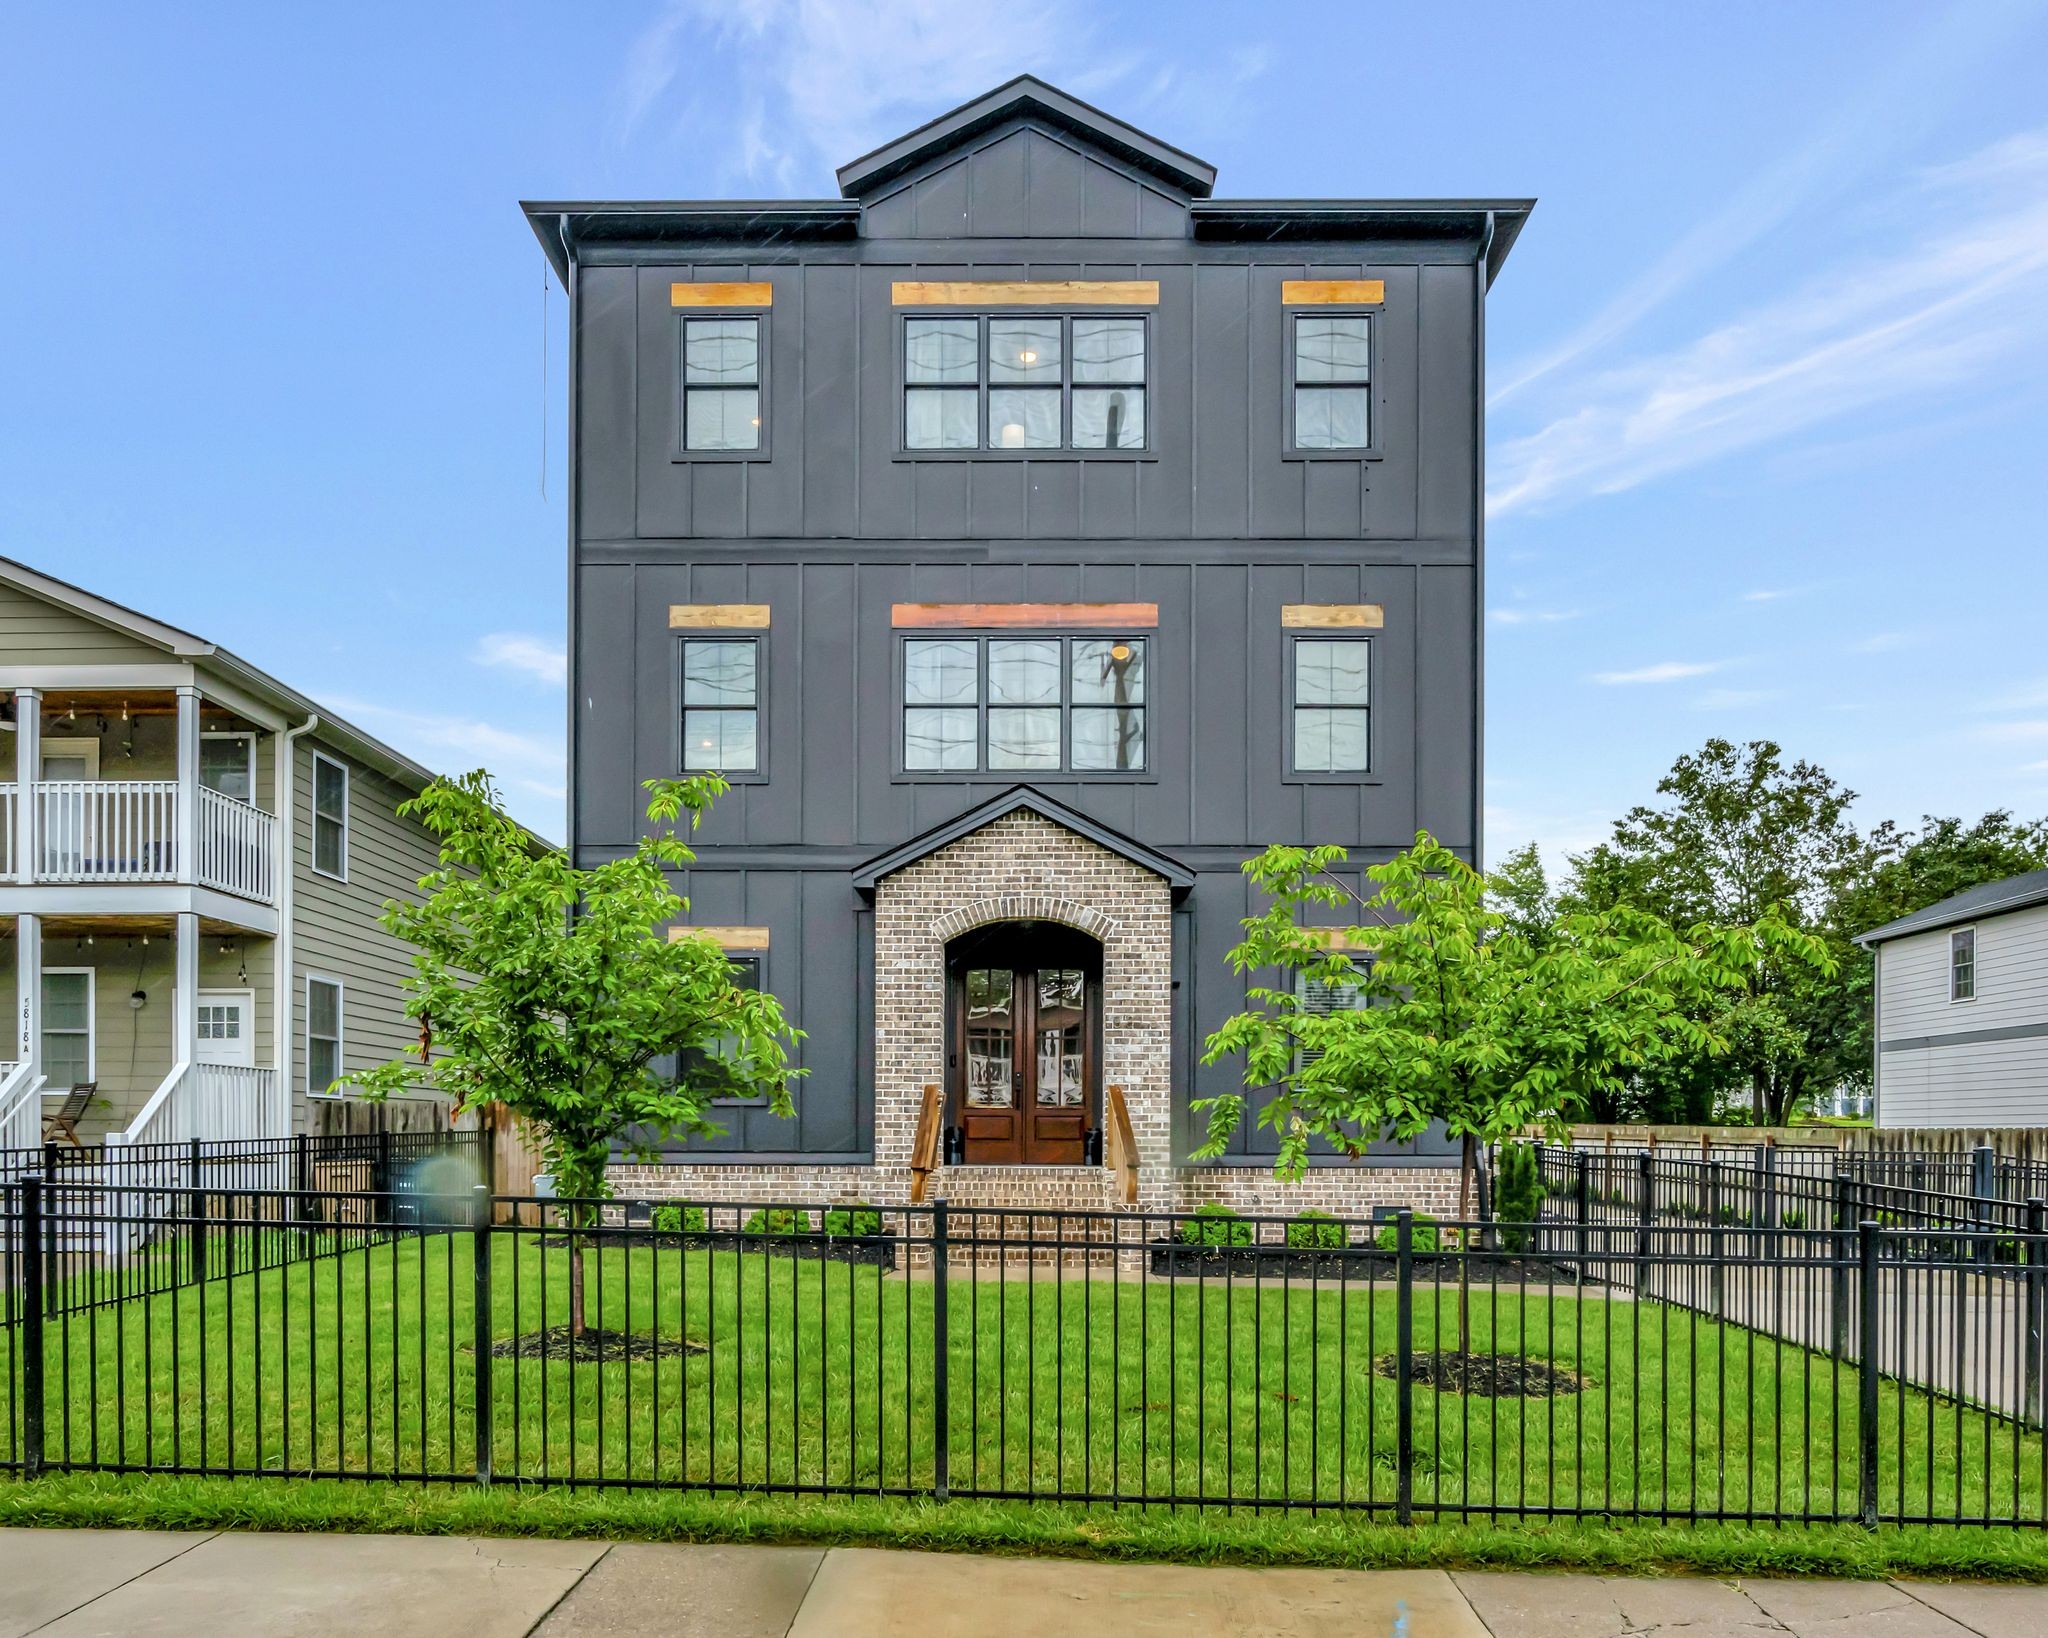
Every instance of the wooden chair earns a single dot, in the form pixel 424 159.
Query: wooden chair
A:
pixel 64 1123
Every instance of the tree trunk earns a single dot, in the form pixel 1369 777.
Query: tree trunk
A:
pixel 1468 1158
pixel 575 1284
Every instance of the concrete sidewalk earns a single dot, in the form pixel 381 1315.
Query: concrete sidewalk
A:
pixel 74 1583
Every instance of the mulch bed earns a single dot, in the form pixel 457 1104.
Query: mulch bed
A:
pixel 595 1346
pixel 1172 1260
pixel 1487 1376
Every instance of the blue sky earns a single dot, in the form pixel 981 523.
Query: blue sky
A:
pixel 1767 366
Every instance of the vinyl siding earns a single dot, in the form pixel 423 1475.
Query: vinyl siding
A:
pixel 1965 1083
pixel 33 632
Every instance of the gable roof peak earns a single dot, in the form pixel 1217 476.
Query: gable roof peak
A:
pixel 1026 94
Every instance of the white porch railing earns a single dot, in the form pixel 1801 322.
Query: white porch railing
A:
pixel 237 846
pixel 126 830
pixel 209 1102
pixel 21 1107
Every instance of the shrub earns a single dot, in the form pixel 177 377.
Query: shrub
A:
pixel 853 1219
pixel 675 1219
pixel 1215 1225
pixel 779 1220
pixel 1517 1195
pixel 1792 1220
pixel 1422 1235
pixel 1317 1231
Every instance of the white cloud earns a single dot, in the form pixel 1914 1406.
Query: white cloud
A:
pixel 1964 291
pixel 531 763
pixel 1774 594
pixel 542 658
pixel 1663 671
pixel 1531 617
pixel 1886 642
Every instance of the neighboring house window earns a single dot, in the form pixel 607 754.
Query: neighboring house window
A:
pixel 722 384
pixel 323 1035
pixel 1332 381
pixel 1332 684
pixel 67 1027
pixel 227 764
pixel 721 704
pixel 330 817
pixel 1039 381
pixel 696 1064
pixel 1962 965
pixel 1017 704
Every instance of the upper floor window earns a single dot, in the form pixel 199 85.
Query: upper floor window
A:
pixel 1037 381
pixel 1023 703
pixel 1962 965
pixel 330 817
pixel 721 704
pixel 721 384
pixel 227 764
pixel 1332 381
pixel 1332 691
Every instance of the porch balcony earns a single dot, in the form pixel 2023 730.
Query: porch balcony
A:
pixel 129 830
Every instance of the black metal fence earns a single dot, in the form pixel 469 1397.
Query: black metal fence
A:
pixel 1611 1368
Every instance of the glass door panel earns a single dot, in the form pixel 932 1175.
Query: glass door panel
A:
pixel 991 1037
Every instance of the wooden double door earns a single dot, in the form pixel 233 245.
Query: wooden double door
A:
pixel 1026 1018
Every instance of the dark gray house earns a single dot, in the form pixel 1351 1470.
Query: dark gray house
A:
pixel 1030 537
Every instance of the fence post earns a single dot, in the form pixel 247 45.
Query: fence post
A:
pixel 480 1325
pixel 1646 1215
pixel 380 1179
pixel 52 1270
pixel 1767 1204
pixel 2030 1397
pixel 1866 1371
pixel 33 1296
pixel 1582 1187
pixel 1404 1366
pixel 1717 1241
pixel 942 1455
pixel 302 1181
pixel 1838 1297
pixel 1984 1185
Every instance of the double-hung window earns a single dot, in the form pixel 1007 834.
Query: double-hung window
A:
pixel 1332 693
pixel 1019 704
pixel 1962 964
pixel 1321 997
pixel 721 384
pixel 330 817
pixel 1332 380
pixel 1029 382
pixel 699 1068
pixel 722 704
pixel 323 1035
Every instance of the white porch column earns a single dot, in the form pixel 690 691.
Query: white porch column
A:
pixel 188 784
pixel 185 991
pixel 28 764
pixel 28 989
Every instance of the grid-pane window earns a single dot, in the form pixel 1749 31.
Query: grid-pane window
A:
pixel 722 383
pixel 1962 965
pixel 721 704
pixel 330 817
pixel 1022 703
pixel 67 1029
pixel 1332 381
pixel 1320 997
pixel 323 1035
pixel 1031 381
pixel 702 1068
pixel 1332 681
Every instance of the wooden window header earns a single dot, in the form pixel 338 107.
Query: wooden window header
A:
pixel 1332 292
pixel 721 295
pixel 1351 940
pixel 1332 616
pixel 726 938
pixel 1035 616
pixel 1025 293
pixel 718 617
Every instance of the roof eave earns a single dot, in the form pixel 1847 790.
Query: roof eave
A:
pixel 867 876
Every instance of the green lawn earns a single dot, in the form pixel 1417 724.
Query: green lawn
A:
pixel 820 1374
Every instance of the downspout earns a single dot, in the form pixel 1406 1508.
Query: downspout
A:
pixel 570 464
pixel 1479 283
pixel 283 959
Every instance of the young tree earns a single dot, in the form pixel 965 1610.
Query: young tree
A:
pixel 552 991
pixel 1465 1020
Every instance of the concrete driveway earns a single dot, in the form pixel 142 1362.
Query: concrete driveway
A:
pixel 144 1584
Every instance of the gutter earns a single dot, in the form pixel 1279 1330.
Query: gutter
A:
pixel 283 957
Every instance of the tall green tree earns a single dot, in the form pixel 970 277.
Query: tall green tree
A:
pixel 554 992
pixel 1466 1019
pixel 1742 833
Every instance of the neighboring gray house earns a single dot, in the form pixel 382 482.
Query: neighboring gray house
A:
pixel 1030 537
pixel 1962 1009
pixel 193 857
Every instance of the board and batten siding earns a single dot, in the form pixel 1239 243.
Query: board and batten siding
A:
pixel 336 929
pixel 1933 1066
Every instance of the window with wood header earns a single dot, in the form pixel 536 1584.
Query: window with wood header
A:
pixel 721 705
pixel 1024 382
pixel 721 384
pixel 1331 705
pixel 1332 380
pixel 1023 704
pixel 1321 997
pixel 704 1068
